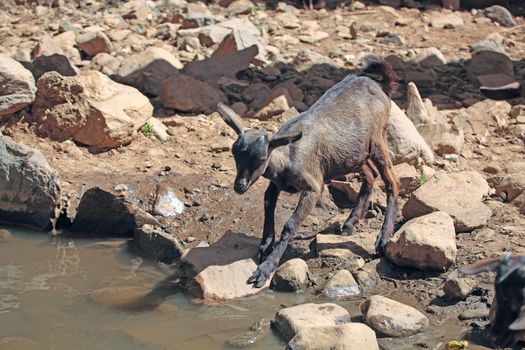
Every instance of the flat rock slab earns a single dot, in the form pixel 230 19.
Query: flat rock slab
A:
pixel 360 244
pixel 219 272
pixel 458 194
pixel 295 319
pixel 392 318
pixel 427 242
pixel 29 186
pixel 348 336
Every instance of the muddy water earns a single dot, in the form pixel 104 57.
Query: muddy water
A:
pixel 47 301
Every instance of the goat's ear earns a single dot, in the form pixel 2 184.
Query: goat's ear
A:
pixel 482 266
pixel 281 140
pixel 230 117
pixel 519 323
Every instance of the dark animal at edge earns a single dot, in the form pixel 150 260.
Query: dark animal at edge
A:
pixel 343 132
pixel 508 307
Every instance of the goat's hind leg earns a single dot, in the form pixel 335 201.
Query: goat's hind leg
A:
pixel 368 175
pixel 381 159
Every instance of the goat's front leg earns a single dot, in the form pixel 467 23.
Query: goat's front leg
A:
pixel 305 205
pixel 268 238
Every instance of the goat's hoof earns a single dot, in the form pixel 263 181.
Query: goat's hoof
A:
pixel 380 247
pixel 347 230
pixel 261 275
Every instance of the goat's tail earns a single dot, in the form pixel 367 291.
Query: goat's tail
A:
pixel 379 70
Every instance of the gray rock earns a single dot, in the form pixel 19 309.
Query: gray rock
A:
pixel 459 195
pixel 458 288
pixel 291 276
pixel 29 186
pixel 94 42
pixel 501 15
pixel 489 62
pixel 430 57
pixel 341 285
pixel 348 336
pixel 5 235
pixel 17 86
pixel 440 20
pixel 405 142
pixel 304 317
pixel 391 318
pixel 156 244
pixel 53 63
pixel 427 242
pixel 102 213
pixel 168 204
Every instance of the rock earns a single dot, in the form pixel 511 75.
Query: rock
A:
pixel 219 272
pixel 391 318
pixel 257 332
pixel 274 107
pixel 442 138
pixel 348 336
pixel 67 42
pixel 148 69
pixel 168 204
pixel 198 15
pixel 185 93
pixel 512 188
pixel 501 15
pixel 458 288
pixel 408 178
pixel 30 187
pixel 493 42
pixel 94 42
pixel 313 37
pixel 105 63
pixel 341 285
pixel 306 59
pixel 47 46
pixel 440 20
pixel 5 235
pixel 89 108
pixel 53 63
pixel 341 258
pixel 424 77
pixel 404 141
pixel 239 7
pixel 120 297
pixel 291 276
pixel 305 317
pixel 416 110
pixel 430 57
pixel 207 36
pixel 489 62
pixel 479 118
pixel 160 131
pixel 226 61
pixel 451 4
pixel 158 245
pixel 459 195
pixel 17 86
pixel 102 213
pixel 427 243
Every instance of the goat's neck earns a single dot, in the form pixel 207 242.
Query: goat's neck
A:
pixel 276 164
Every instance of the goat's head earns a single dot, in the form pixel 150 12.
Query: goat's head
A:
pixel 252 149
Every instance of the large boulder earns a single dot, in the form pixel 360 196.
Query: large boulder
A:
pixel 404 141
pixel 89 108
pixel 219 272
pixel 185 93
pixel 305 317
pixel 102 213
pixel 391 318
pixel 427 242
pixel 348 336
pixel 17 86
pixel 458 194
pixel 29 186
pixel 146 70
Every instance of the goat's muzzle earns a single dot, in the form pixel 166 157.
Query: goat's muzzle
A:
pixel 240 187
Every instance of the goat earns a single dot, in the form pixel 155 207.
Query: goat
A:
pixel 343 132
pixel 512 90
pixel 508 308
